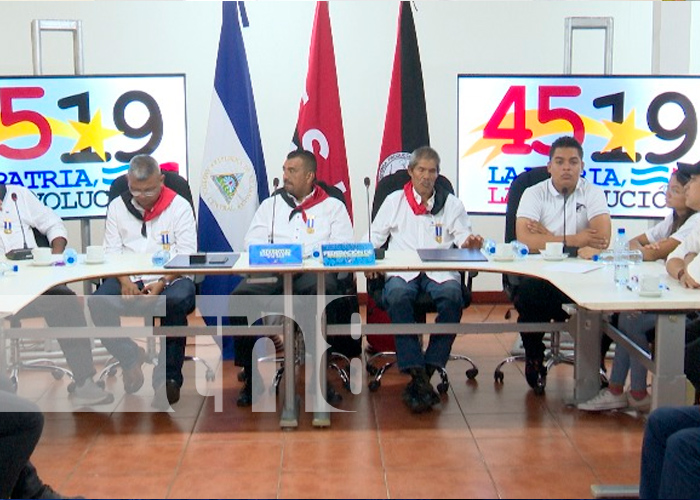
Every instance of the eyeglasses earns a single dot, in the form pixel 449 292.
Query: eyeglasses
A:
pixel 146 194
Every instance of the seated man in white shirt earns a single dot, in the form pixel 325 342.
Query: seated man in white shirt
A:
pixel 59 306
pixel 299 212
pixel 423 215
pixel 541 219
pixel 147 218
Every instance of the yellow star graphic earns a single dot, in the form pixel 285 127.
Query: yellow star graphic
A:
pixel 93 135
pixel 625 135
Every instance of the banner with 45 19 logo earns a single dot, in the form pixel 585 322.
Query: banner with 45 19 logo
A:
pixel 634 130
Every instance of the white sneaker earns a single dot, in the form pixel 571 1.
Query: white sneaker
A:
pixel 641 405
pixel 605 400
pixel 90 394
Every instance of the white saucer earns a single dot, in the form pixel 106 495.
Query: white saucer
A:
pixel 554 257
pixel 503 259
pixel 92 262
pixel 42 264
pixel 649 294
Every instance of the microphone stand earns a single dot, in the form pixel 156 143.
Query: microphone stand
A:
pixel 275 183
pixel 19 253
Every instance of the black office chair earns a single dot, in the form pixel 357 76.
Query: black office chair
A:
pixel 180 185
pixel 382 346
pixel 553 355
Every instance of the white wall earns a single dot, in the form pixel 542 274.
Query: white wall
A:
pixel 454 37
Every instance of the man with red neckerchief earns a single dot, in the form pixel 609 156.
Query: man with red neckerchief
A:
pixel 145 219
pixel 300 212
pixel 423 215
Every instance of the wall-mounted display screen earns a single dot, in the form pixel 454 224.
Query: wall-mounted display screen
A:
pixel 67 138
pixel 634 130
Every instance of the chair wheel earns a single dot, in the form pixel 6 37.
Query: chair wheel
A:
pixel 209 376
pixel 442 387
pixel 371 369
pixel 498 376
pixel 71 387
pixel 374 385
pixel 57 374
pixel 472 373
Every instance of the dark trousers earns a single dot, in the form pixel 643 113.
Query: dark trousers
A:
pixel 302 284
pixel 671 454
pixel 107 306
pixel 21 423
pixel 60 307
pixel 692 352
pixel 537 301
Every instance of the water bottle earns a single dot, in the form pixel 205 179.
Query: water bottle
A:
pixel 621 244
pixel 607 257
pixel 489 248
pixel 160 257
pixel 70 257
pixel 520 250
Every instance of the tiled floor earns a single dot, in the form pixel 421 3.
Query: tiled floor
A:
pixel 485 440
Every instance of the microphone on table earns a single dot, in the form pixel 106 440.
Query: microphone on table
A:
pixel 19 253
pixel 378 252
pixel 275 184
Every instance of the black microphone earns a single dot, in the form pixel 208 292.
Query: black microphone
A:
pixel 565 193
pixel 19 253
pixel 378 252
pixel 275 184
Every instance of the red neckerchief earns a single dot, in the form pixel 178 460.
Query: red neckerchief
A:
pixel 166 197
pixel 318 196
pixel 417 208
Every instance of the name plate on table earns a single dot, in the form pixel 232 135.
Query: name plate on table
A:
pixel 275 255
pixel 347 254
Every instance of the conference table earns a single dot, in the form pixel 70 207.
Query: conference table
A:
pixel 591 288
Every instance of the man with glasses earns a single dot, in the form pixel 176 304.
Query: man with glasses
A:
pixel 145 219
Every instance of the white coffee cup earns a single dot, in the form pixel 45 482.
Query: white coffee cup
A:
pixel 650 283
pixel 95 253
pixel 504 251
pixel 554 248
pixel 41 255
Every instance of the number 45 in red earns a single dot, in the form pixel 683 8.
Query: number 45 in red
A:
pixel 519 133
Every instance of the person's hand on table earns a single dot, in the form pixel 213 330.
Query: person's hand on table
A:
pixel 587 253
pixel 473 241
pixel 687 282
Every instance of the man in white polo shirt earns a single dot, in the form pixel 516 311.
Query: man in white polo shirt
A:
pixel 541 219
pixel 423 215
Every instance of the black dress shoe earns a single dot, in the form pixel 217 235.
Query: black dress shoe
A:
pixel 536 374
pixel 172 390
pixel 47 492
pixel 245 397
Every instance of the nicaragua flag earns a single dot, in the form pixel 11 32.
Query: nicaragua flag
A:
pixel 406 124
pixel 234 179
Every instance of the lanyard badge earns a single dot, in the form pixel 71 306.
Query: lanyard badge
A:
pixel 438 232
pixel 310 222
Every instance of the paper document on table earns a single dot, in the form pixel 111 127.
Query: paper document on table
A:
pixel 575 268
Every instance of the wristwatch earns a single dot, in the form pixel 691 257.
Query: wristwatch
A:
pixel 166 282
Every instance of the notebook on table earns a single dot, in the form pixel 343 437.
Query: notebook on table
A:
pixel 451 255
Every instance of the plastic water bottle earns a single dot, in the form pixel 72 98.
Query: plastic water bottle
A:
pixel 160 257
pixel 607 257
pixel 621 247
pixel 520 250
pixel 489 248
pixel 70 257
